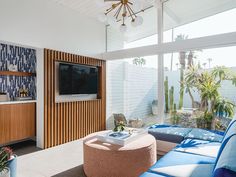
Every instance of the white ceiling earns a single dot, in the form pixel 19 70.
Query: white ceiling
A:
pixel 85 7
pixel 176 13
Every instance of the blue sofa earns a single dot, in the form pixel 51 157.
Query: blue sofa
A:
pixel 200 153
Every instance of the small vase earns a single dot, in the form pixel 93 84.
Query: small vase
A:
pixel 12 165
pixel 5 173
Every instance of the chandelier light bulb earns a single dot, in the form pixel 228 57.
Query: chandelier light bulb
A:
pixel 123 28
pixel 139 20
pixel 133 23
pixel 121 11
pixel 102 17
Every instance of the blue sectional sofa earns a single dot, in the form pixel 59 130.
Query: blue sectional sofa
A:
pixel 199 153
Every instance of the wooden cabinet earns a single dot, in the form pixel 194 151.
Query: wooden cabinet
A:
pixel 17 122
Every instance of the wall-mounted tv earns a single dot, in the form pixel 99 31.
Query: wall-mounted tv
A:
pixel 77 79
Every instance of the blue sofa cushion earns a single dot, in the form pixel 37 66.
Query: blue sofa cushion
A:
pixel 173 163
pixel 169 133
pixel 174 158
pixel 162 126
pixel 201 134
pixel 200 147
pixel 230 130
pixel 222 172
pixel 150 174
pixel 227 155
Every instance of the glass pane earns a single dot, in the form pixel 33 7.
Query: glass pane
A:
pixel 117 40
pixel 201 85
pixel 131 89
pixel 192 19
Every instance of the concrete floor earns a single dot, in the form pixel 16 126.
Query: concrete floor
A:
pixel 25 147
pixel 61 161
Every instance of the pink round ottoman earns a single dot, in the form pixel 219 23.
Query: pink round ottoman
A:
pixel 109 160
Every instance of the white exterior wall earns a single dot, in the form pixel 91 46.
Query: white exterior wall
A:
pixel 139 91
pixel 130 90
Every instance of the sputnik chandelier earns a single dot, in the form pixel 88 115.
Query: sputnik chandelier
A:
pixel 122 10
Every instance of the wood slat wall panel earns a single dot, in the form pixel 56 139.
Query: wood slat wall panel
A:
pixel 64 122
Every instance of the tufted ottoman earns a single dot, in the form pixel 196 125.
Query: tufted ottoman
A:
pixel 109 160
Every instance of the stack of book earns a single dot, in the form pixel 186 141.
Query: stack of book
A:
pixel 121 138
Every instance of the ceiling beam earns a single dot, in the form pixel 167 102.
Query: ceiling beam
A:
pixel 214 41
pixel 172 15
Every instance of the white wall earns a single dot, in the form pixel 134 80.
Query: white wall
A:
pixel 130 90
pixel 140 90
pixel 45 24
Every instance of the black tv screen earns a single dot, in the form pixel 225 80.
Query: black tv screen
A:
pixel 77 79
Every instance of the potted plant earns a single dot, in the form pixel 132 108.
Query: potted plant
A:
pixel 12 165
pixel 5 156
pixel 120 126
pixel 224 108
pixel 154 107
pixel 175 118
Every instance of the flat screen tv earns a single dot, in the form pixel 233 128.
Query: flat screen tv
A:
pixel 77 79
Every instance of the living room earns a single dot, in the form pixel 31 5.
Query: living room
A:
pixel 89 87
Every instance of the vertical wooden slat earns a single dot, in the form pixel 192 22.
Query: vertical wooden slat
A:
pixel 64 122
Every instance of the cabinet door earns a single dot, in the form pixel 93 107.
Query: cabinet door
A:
pixel 5 123
pixel 17 122
pixel 22 121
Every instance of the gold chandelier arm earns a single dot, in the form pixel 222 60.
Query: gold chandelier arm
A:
pixel 118 11
pixel 112 8
pixel 130 12
pixel 130 3
pixel 124 14
pixel 110 0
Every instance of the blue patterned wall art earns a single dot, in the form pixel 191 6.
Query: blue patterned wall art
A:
pixel 25 59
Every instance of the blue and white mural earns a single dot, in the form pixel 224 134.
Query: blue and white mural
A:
pixel 25 60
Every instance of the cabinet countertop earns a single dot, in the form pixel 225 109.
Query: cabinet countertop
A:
pixel 17 102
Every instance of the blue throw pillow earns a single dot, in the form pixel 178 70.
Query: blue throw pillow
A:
pixel 222 172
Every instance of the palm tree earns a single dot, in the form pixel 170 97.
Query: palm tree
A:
pixel 208 89
pixel 209 62
pixel 221 73
pixel 182 57
pixel 190 81
pixel 190 59
pixel 182 54
pixel 177 66
pixel 204 65
pixel 139 61
pixel 224 107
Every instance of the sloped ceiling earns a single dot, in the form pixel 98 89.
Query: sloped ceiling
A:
pixel 176 13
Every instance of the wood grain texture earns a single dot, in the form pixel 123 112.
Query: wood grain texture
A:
pixel 17 122
pixel 68 121
pixel 16 73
